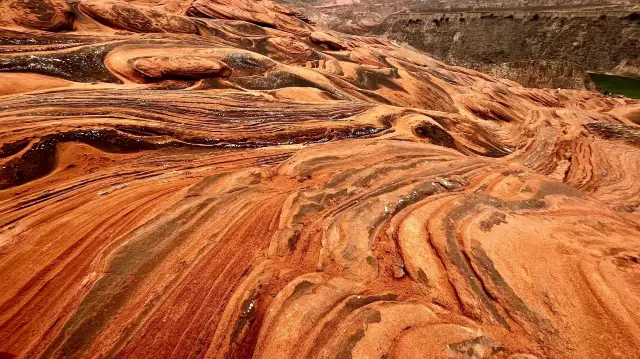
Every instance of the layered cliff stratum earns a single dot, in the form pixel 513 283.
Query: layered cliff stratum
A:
pixel 549 48
pixel 222 179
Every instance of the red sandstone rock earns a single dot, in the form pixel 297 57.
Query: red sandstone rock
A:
pixel 258 187
pixel 48 15
pixel 330 41
pixel 184 66
pixel 120 15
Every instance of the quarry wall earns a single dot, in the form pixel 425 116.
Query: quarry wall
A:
pixel 565 43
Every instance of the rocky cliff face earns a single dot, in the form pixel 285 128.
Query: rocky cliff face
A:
pixel 540 74
pixel 222 179
pixel 562 43
pixel 359 16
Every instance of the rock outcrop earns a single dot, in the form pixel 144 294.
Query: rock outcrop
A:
pixel 223 179
pixel 540 74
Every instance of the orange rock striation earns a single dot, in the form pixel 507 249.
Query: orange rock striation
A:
pixel 223 179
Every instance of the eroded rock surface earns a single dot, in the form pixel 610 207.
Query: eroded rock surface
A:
pixel 223 179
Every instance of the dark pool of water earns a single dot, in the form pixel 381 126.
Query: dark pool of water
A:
pixel 619 85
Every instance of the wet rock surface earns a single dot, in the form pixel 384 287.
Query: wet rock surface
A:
pixel 224 179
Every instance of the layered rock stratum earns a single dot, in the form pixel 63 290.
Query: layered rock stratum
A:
pixel 360 16
pixel 549 48
pixel 222 179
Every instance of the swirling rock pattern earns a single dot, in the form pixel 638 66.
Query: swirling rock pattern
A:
pixel 223 179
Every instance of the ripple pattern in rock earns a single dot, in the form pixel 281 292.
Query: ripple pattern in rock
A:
pixel 223 179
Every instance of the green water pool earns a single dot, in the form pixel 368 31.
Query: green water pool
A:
pixel 618 85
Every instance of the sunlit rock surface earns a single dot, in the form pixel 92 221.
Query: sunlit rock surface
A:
pixel 222 179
